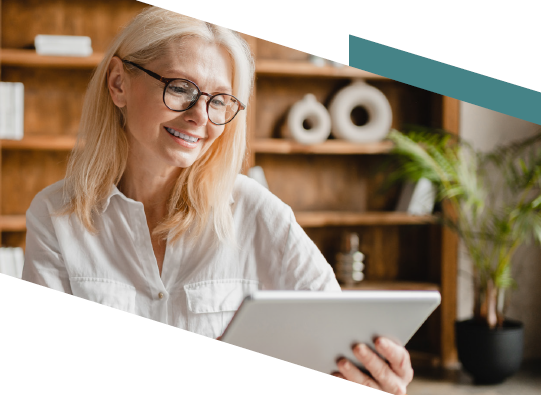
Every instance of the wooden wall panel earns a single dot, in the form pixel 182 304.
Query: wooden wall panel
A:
pixel 322 182
pixel 25 173
pixel 268 50
pixel 327 182
pixel 14 239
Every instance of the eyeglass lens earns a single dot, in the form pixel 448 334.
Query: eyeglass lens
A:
pixel 180 94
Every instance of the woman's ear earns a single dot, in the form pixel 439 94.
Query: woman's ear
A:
pixel 116 82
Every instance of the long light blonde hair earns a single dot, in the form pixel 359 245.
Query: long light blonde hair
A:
pixel 98 160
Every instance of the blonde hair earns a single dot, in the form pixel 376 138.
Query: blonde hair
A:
pixel 202 191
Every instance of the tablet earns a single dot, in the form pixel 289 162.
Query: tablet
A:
pixel 313 329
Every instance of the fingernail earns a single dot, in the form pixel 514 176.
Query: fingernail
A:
pixel 362 349
pixel 346 364
pixel 383 343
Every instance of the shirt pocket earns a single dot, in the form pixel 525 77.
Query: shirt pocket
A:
pixel 212 304
pixel 104 291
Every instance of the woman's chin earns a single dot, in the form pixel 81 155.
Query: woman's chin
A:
pixel 183 161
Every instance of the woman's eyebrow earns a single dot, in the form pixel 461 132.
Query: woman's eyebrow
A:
pixel 223 89
pixel 175 73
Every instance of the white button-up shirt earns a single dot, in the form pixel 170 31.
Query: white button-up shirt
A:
pixel 201 285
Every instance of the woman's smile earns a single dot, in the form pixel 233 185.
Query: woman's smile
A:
pixel 182 138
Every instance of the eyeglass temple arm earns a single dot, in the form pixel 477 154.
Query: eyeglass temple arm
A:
pixel 152 74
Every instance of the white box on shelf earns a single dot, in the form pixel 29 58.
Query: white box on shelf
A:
pixel 55 45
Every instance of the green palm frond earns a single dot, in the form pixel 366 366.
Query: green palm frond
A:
pixel 527 222
pixel 494 213
pixel 502 278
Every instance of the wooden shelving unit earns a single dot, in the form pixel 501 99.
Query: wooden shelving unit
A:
pixel 332 187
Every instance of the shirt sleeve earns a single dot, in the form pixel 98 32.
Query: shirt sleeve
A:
pixel 43 263
pixel 303 266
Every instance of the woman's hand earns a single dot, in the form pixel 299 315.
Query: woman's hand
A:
pixel 392 376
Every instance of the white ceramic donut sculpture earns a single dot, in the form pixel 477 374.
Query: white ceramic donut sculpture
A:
pixel 360 94
pixel 308 109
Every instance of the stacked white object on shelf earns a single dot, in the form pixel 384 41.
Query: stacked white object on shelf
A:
pixel 12 261
pixel 417 198
pixel 11 110
pixel 54 45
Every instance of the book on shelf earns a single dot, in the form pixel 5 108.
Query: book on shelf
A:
pixel 54 45
pixel 11 110
pixel 12 261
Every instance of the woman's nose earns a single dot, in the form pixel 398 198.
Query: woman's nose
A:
pixel 198 113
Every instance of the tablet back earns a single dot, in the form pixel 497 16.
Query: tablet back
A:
pixel 313 329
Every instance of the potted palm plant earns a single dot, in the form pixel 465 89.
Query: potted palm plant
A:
pixel 493 202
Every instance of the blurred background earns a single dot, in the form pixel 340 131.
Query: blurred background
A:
pixel 337 186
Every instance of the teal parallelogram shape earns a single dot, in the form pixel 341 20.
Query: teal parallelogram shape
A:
pixel 445 79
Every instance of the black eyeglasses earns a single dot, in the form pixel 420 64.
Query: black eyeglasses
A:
pixel 180 94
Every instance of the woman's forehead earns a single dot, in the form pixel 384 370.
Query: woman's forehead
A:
pixel 207 64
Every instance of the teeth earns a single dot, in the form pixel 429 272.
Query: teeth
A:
pixel 183 136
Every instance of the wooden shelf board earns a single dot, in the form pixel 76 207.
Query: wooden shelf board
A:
pixel 62 143
pixel 316 219
pixel 304 218
pixel 393 285
pixel 29 58
pixel 12 223
pixel 335 147
pixel 307 69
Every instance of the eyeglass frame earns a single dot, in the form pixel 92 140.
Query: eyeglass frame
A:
pixel 200 93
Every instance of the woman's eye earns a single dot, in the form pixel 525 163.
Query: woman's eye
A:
pixel 218 103
pixel 178 90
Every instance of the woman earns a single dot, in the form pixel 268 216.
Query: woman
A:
pixel 153 216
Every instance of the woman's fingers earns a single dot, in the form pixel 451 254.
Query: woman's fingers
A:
pixel 339 375
pixel 385 377
pixel 351 373
pixel 397 356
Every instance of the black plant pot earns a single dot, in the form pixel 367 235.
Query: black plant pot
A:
pixel 490 355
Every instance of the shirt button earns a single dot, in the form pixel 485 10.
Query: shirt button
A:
pixel 160 295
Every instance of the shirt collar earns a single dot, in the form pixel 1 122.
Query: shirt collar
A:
pixel 115 191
